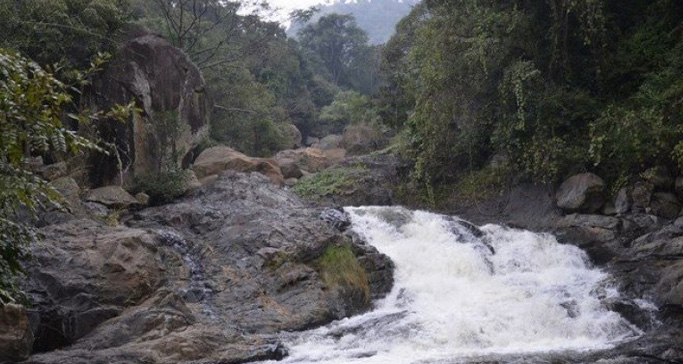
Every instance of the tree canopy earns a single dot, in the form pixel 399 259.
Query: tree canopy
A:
pixel 555 87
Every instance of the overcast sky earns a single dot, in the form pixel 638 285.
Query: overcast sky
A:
pixel 289 5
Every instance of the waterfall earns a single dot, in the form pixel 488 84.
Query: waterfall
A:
pixel 462 292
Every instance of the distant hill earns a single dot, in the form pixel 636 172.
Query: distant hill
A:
pixel 377 17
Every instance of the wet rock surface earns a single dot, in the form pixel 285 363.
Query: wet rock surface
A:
pixel 582 192
pixel 208 279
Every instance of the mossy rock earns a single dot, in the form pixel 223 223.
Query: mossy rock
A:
pixel 329 182
pixel 340 269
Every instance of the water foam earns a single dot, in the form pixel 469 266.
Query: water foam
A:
pixel 461 292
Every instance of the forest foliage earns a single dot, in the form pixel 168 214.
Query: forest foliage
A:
pixel 553 87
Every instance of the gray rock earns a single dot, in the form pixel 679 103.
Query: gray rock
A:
pixel 53 171
pixel 600 221
pixel 96 209
pixel 582 192
pixel 142 198
pixel 193 182
pixel 207 279
pixel 609 209
pixel 670 287
pixel 679 186
pixel 641 195
pixel 665 204
pixel 622 204
pixel 332 141
pixel 111 196
pixel 16 337
pixel 83 273
pixel 289 168
pixel 71 193
pixel 337 219
pixel 369 181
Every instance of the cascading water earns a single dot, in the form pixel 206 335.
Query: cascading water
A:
pixel 462 292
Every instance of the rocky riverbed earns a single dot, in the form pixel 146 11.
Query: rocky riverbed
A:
pixel 208 279
pixel 217 276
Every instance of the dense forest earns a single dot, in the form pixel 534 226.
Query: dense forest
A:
pixel 537 89
pixel 546 88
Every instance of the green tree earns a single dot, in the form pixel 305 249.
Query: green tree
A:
pixel 348 107
pixel 69 32
pixel 338 41
pixel 31 114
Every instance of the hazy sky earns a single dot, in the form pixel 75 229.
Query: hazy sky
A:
pixel 289 5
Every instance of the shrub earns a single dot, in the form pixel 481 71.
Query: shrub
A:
pixel 326 183
pixel 163 187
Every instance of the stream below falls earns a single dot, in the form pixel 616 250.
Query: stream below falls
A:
pixel 466 294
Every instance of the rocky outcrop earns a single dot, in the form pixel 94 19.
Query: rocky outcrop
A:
pixel 84 273
pixel 582 192
pixel 216 160
pixel 168 89
pixel 206 280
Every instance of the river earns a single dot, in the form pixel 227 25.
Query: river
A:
pixel 467 294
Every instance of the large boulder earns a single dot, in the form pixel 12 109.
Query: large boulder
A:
pixel 583 192
pixel 216 160
pixel 162 81
pixel 16 336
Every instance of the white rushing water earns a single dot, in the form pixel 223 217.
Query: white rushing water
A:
pixel 456 295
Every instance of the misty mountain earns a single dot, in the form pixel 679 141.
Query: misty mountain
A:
pixel 377 17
